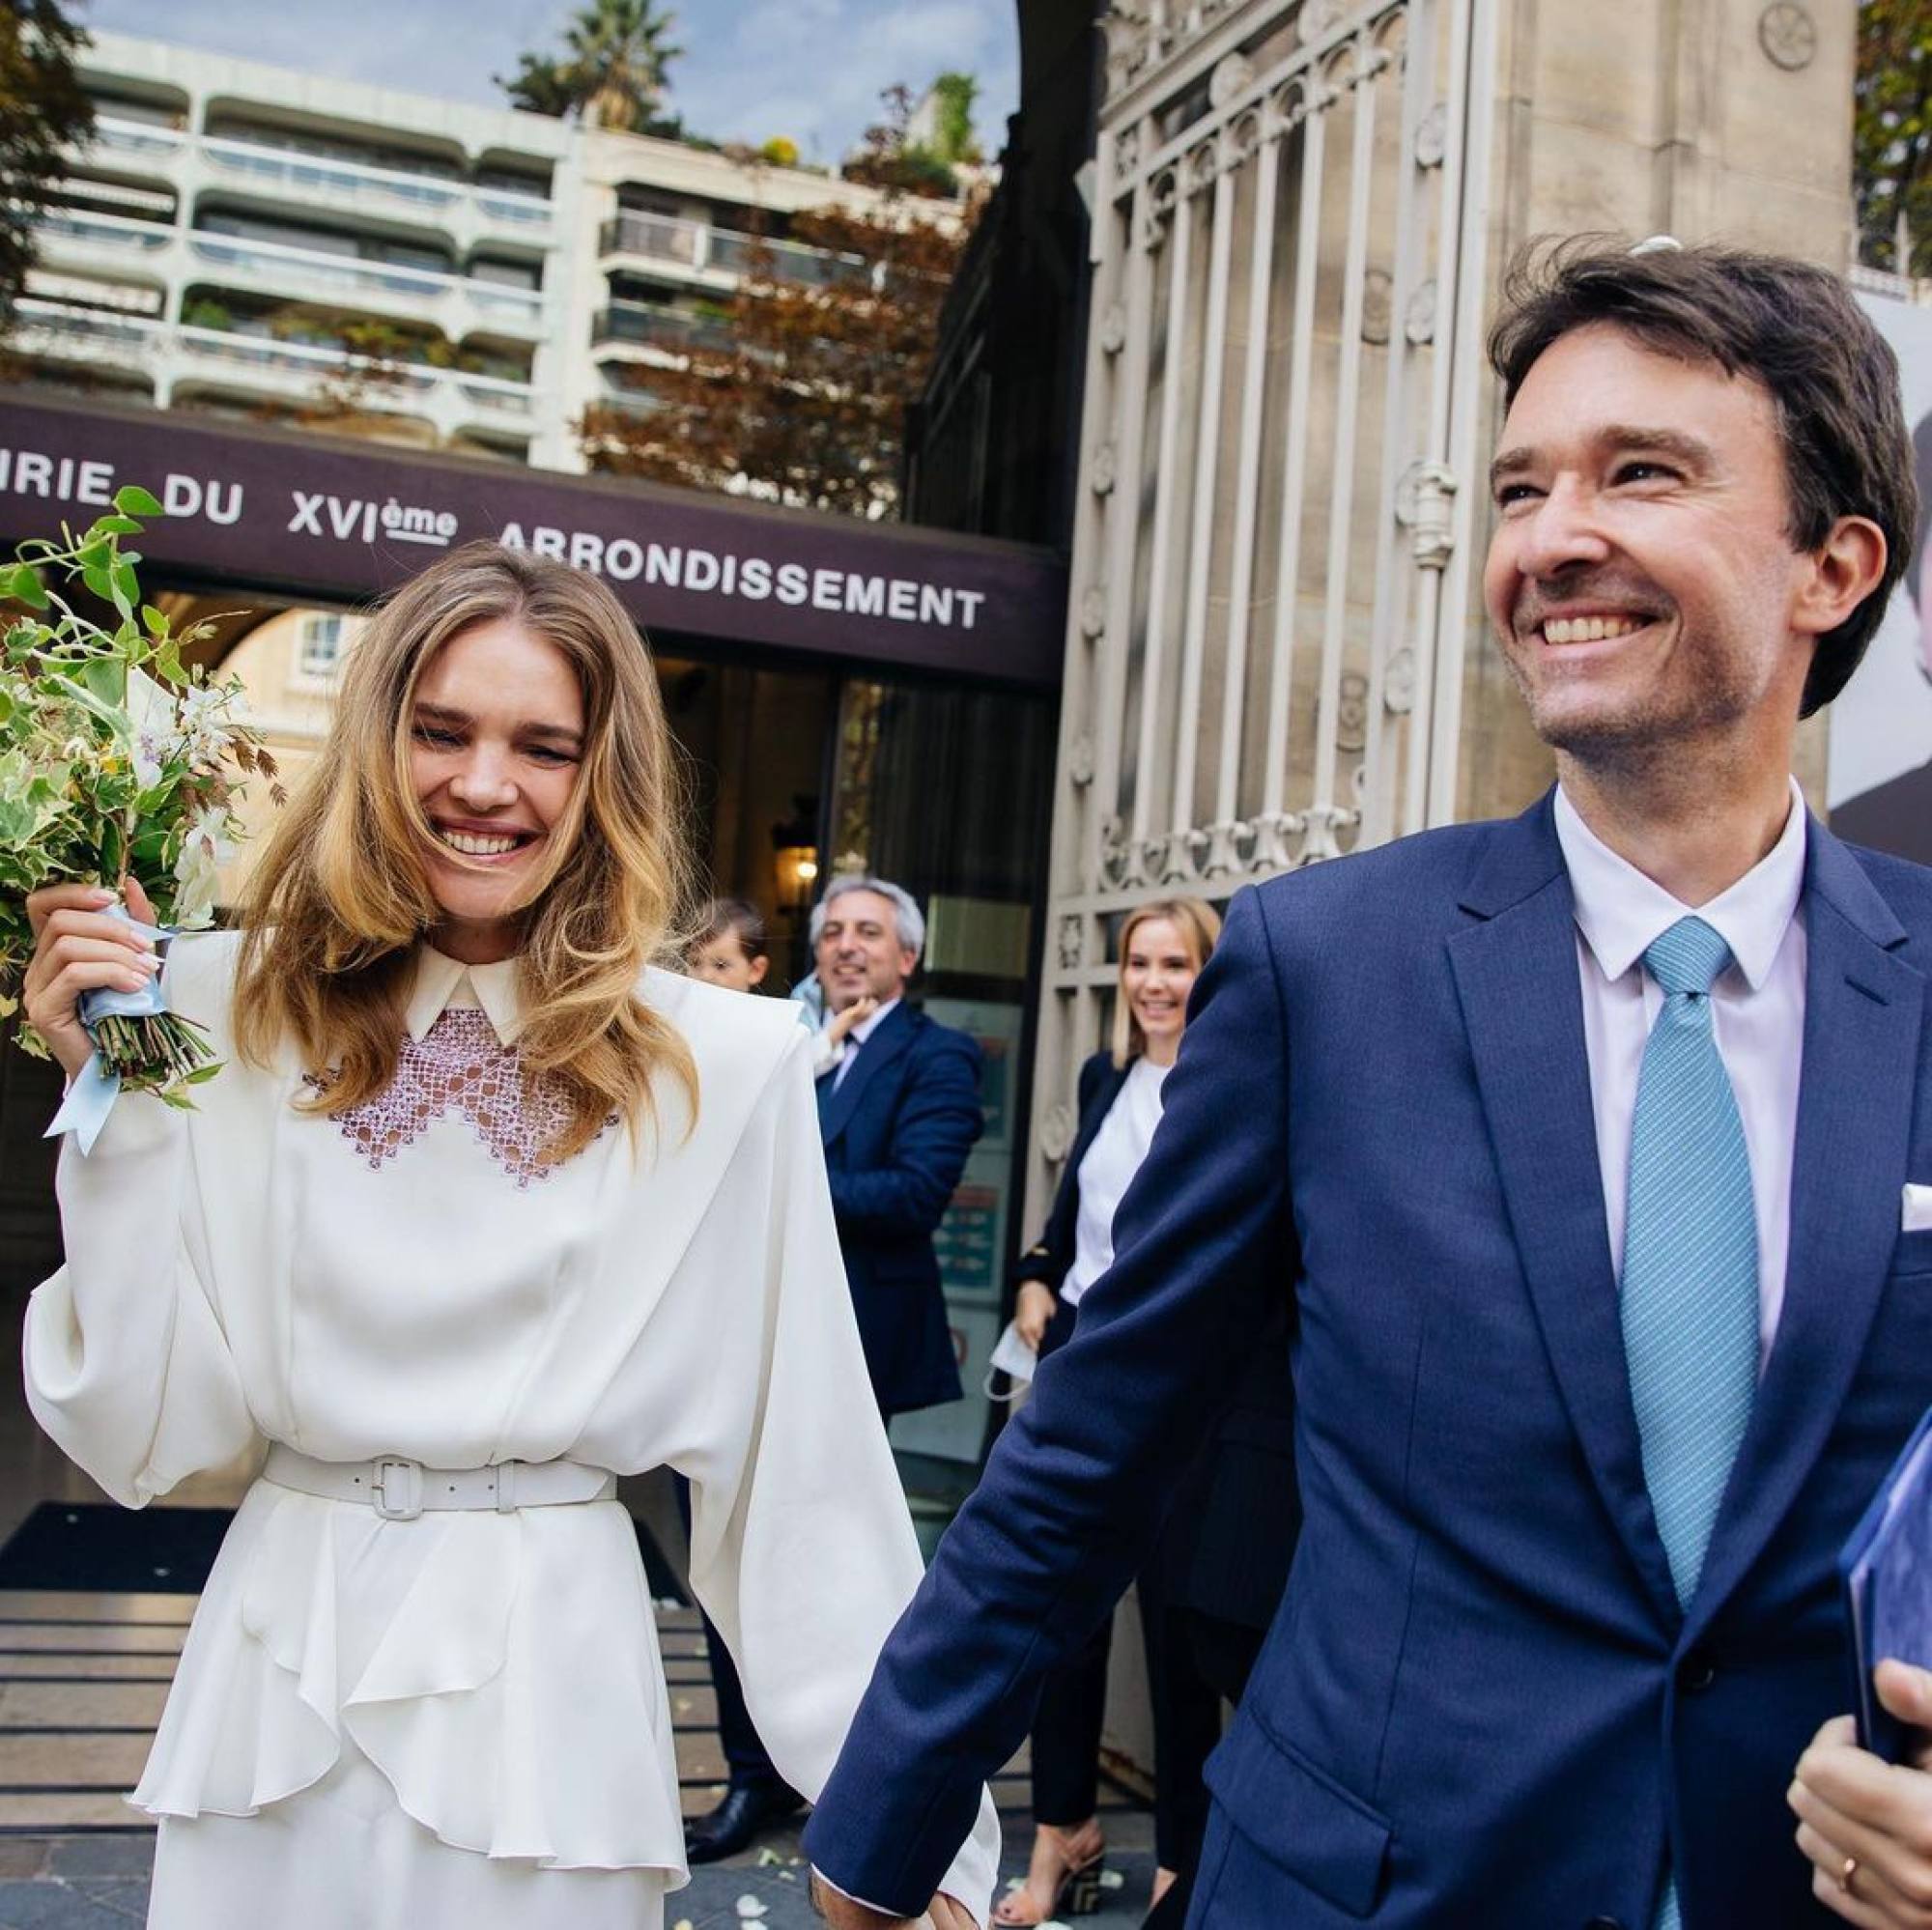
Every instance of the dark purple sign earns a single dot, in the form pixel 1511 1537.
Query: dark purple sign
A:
pixel 301 516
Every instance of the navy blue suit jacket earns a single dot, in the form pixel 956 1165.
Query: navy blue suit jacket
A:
pixel 896 1131
pixel 1480 1703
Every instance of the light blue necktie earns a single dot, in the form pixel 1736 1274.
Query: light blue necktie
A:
pixel 1689 1282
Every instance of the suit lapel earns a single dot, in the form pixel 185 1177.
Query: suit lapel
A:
pixel 892 1038
pixel 1516 977
pixel 1864 1009
pixel 1105 1091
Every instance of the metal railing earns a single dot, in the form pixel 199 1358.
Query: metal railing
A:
pixel 290 167
pixel 136 137
pixel 55 318
pixel 49 327
pixel 360 274
pixel 296 171
pixel 700 245
pixel 112 231
pixel 653 326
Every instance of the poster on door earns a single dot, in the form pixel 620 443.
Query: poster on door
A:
pixel 1880 783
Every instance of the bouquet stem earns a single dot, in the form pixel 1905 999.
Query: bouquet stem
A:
pixel 153 1051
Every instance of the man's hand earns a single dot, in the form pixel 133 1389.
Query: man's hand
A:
pixel 845 1913
pixel 1866 1823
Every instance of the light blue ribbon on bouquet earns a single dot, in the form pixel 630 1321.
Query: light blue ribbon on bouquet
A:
pixel 95 1088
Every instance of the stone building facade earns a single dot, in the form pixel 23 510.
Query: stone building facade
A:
pixel 1303 211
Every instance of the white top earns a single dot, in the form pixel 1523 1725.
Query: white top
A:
pixel 404 1281
pixel 1757 1006
pixel 1107 1170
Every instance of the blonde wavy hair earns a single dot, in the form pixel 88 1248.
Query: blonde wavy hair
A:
pixel 341 898
pixel 1199 925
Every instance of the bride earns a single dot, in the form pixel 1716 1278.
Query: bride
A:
pixel 483 1210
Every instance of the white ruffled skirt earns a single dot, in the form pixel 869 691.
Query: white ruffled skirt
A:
pixel 341 1854
pixel 458 1722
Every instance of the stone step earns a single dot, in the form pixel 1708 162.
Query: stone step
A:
pixel 95 1638
pixel 81 1705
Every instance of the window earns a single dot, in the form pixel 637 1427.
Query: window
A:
pixel 319 641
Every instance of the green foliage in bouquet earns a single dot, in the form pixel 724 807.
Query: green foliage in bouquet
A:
pixel 116 760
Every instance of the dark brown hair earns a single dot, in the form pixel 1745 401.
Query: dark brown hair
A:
pixel 1793 329
pixel 736 915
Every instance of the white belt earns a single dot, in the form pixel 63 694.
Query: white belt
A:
pixel 398 1489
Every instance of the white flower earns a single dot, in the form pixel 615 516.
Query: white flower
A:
pixel 151 728
pixel 203 852
pixel 201 732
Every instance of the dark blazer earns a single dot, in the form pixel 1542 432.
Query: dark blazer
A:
pixel 1233 1520
pixel 1050 1258
pixel 1896 816
pixel 1481 1703
pixel 896 1131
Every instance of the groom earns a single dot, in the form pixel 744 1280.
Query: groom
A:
pixel 1581 1144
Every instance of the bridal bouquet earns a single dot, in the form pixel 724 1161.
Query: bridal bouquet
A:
pixel 116 760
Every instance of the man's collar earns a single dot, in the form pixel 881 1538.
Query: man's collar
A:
pixel 866 1027
pixel 441 981
pixel 1621 911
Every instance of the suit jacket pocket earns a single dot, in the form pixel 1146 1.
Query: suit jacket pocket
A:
pixel 1300 1817
pixel 1914 1253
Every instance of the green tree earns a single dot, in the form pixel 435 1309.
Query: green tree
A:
pixel 43 112
pixel 1891 155
pixel 956 143
pixel 616 56
pixel 804 395
pixel 889 158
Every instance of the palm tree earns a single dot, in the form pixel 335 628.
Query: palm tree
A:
pixel 613 68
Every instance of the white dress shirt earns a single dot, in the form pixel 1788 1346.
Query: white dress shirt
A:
pixel 846 1049
pixel 1757 1005
pixel 1107 1170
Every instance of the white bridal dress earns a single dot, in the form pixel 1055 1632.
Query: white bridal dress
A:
pixel 459 1722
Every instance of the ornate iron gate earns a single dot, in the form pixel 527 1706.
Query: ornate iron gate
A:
pixel 1278 491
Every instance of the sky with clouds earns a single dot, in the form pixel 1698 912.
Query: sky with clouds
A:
pixel 812 69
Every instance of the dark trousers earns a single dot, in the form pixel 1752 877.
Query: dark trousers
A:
pixel 1072 1707
pixel 745 1754
pixel 1223 1655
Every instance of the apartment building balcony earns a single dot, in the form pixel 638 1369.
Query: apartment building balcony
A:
pixel 466 211
pixel 72 239
pixel 149 140
pixel 63 332
pixel 462 207
pixel 711 254
pixel 625 326
pixel 458 304
pixel 454 401
pixel 68 233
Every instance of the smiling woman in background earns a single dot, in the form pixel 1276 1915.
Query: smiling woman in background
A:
pixel 1163 949
pixel 483 1210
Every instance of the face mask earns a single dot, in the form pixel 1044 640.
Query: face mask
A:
pixel 1013 1358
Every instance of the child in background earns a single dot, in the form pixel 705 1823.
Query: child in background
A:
pixel 730 949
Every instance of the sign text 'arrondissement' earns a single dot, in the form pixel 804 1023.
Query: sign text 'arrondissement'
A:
pixel 293 516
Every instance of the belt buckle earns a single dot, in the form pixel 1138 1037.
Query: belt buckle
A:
pixel 396 1487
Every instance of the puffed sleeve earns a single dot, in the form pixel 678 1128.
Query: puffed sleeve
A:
pixel 127 1367
pixel 803 1549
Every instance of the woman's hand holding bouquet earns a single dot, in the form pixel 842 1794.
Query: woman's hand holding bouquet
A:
pixel 120 768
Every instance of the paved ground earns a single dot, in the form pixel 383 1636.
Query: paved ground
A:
pixel 82 1681
pixel 99 1882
